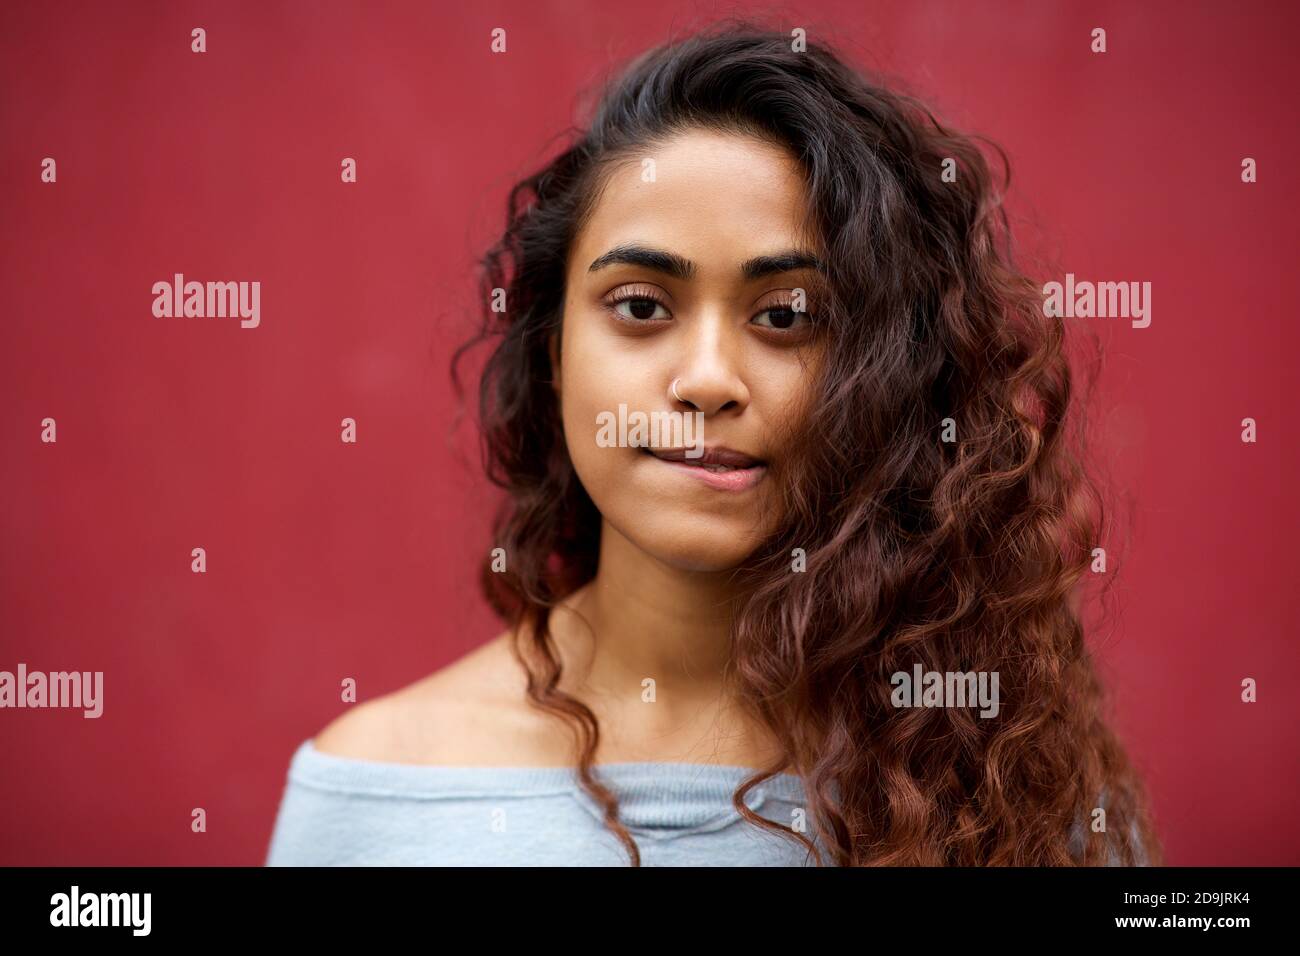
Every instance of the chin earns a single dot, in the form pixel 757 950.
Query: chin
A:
pixel 697 545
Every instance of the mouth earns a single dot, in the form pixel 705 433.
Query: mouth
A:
pixel 722 468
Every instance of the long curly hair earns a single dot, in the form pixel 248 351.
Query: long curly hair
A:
pixel 936 500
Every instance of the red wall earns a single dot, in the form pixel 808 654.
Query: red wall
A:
pixel 328 560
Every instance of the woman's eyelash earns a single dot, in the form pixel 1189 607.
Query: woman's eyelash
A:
pixel 809 317
pixel 613 304
pixel 635 297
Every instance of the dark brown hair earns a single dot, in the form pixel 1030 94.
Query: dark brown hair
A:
pixel 962 556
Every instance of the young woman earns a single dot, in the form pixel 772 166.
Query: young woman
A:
pixel 727 659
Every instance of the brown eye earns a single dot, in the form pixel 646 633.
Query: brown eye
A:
pixel 639 308
pixel 636 305
pixel 782 318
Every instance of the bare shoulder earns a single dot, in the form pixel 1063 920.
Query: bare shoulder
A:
pixel 474 711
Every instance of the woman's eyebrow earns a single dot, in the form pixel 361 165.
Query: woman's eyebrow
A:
pixel 678 267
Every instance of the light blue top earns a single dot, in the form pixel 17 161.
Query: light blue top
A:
pixel 342 811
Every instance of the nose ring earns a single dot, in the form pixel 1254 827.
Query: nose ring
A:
pixel 673 389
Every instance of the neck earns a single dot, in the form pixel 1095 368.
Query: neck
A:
pixel 639 621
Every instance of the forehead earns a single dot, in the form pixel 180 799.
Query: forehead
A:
pixel 715 198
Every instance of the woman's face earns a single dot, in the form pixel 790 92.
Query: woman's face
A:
pixel 687 271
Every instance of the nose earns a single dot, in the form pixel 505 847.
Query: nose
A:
pixel 710 380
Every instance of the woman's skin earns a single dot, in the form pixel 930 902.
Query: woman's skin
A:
pixel 660 604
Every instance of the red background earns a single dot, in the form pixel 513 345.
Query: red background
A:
pixel 328 560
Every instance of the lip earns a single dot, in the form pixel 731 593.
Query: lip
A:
pixel 713 455
pixel 745 474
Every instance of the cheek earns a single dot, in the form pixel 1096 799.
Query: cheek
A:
pixel 589 460
pixel 592 386
pixel 785 393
